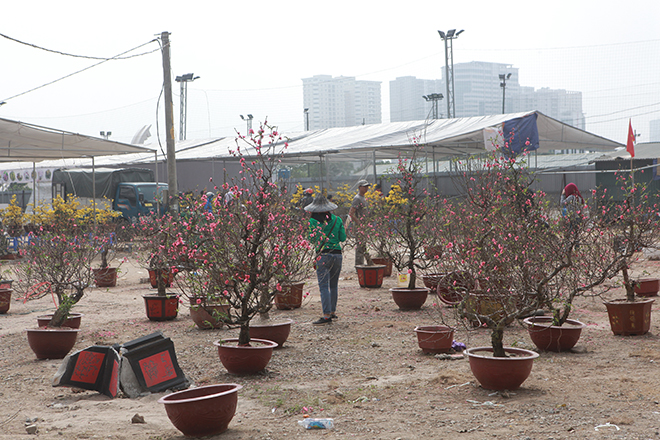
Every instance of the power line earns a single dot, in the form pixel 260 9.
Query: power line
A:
pixel 80 56
pixel 104 60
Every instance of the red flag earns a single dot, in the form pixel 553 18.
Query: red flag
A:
pixel 630 146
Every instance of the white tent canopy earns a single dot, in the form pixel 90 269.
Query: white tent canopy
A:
pixel 22 142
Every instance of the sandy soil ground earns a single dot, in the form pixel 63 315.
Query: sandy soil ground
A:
pixel 365 371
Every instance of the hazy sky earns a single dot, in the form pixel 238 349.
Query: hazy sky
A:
pixel 251 56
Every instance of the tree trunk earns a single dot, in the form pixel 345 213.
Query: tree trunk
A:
pixel 244 335
pixel 629 285
pixel 497 342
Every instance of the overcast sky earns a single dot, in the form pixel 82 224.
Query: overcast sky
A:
pixel 251 56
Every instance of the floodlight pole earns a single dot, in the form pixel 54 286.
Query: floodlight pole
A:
pixel 183 117
pixel 503 78
pixel 169 124
pixel 434 98
pixel 449 68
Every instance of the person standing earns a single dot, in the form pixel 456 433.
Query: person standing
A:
pixel 308 197
pixel 571 200
pixel 357 211
pixel 327 233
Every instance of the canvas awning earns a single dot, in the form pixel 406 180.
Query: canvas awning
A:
pixel 23 142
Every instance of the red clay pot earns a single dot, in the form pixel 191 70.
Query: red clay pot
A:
pixel 409 299
pixel 629 318
pixel 105 277
pixel 647 287
pixel 52 343
pixel 290 297
pixel 371 276
pixel 161 308
pixel 549 337
pixel 434 338
pixel 431 280
pixel 73 321
pixel 202 411
pixel 506 373
pixel 245 359
pixel 5 300
pixel 385 262
pixel 209 316
pixel 277 332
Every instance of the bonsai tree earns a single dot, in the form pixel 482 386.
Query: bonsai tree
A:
pixel 59 264
pixel 397 227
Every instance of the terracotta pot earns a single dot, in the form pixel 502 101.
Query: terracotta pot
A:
pixel 161 308
pixel 431 280
pixel 647 287
pixel 202 411
pixel 209 316
pixel 105 277
pixel 5 299
pixel 73 321
pixel 168 277
pixel 385 262
pixel 629 318
pixel 290 297
pixel 245 359
pixel 452 287
pixel 277 332
pixel 506 373
pixel 434 338
pixel 52 343
pixel 409 299
pixel 549 337
pixel 6 284
pixel 371 276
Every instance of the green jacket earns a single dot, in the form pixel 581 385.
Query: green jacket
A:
pixel 327 236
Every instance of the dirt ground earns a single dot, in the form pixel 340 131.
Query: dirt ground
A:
pixel 365 371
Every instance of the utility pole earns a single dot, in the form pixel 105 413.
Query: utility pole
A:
pixel 448 38
pixel 503 78
pixel 169 125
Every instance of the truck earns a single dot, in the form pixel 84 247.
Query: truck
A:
pixel 132 191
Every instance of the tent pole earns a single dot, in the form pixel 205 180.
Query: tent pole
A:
pixel 34 187
pixel 94 194
pixel 375 173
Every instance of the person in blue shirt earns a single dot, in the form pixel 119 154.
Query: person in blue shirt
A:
pixel 326 233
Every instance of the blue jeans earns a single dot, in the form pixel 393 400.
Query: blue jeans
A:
pixel 328 268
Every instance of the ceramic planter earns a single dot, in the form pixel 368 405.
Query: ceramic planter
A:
pixel 647 287
pixel 409 299
pixel 434 338
pixel 371 276
pixel 209 316
pixel 277 332
pixel 290 297
pixel 73 321
pixel 629 318
pixel 485 304
pixel 385 262
pixel 549 337
pixel 431 280
pixel 245 359
pixel 505 373
pixel 52 343
pixel 161 308
pixel 105 277
pixel 5 300
pixel 202 411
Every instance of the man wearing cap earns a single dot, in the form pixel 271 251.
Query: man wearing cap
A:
pixel 327 233
pixel 357 211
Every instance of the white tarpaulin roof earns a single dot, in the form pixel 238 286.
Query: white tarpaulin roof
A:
pixel 443 137
pixel 24 142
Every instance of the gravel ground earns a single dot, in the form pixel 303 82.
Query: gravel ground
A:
pixel 365 371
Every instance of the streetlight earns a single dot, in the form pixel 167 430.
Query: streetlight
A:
pixel 183 119
pixel 449 68
pixel 434 98
pixel 503 78
pixel 306 112
pixel 249 122
pixel 106 134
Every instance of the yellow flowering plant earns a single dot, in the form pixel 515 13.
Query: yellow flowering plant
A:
pixel 12 218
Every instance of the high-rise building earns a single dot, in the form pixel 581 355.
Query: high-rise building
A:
pixel 407 101
pixel 654 130
pixel 478 91
pixel 341 101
